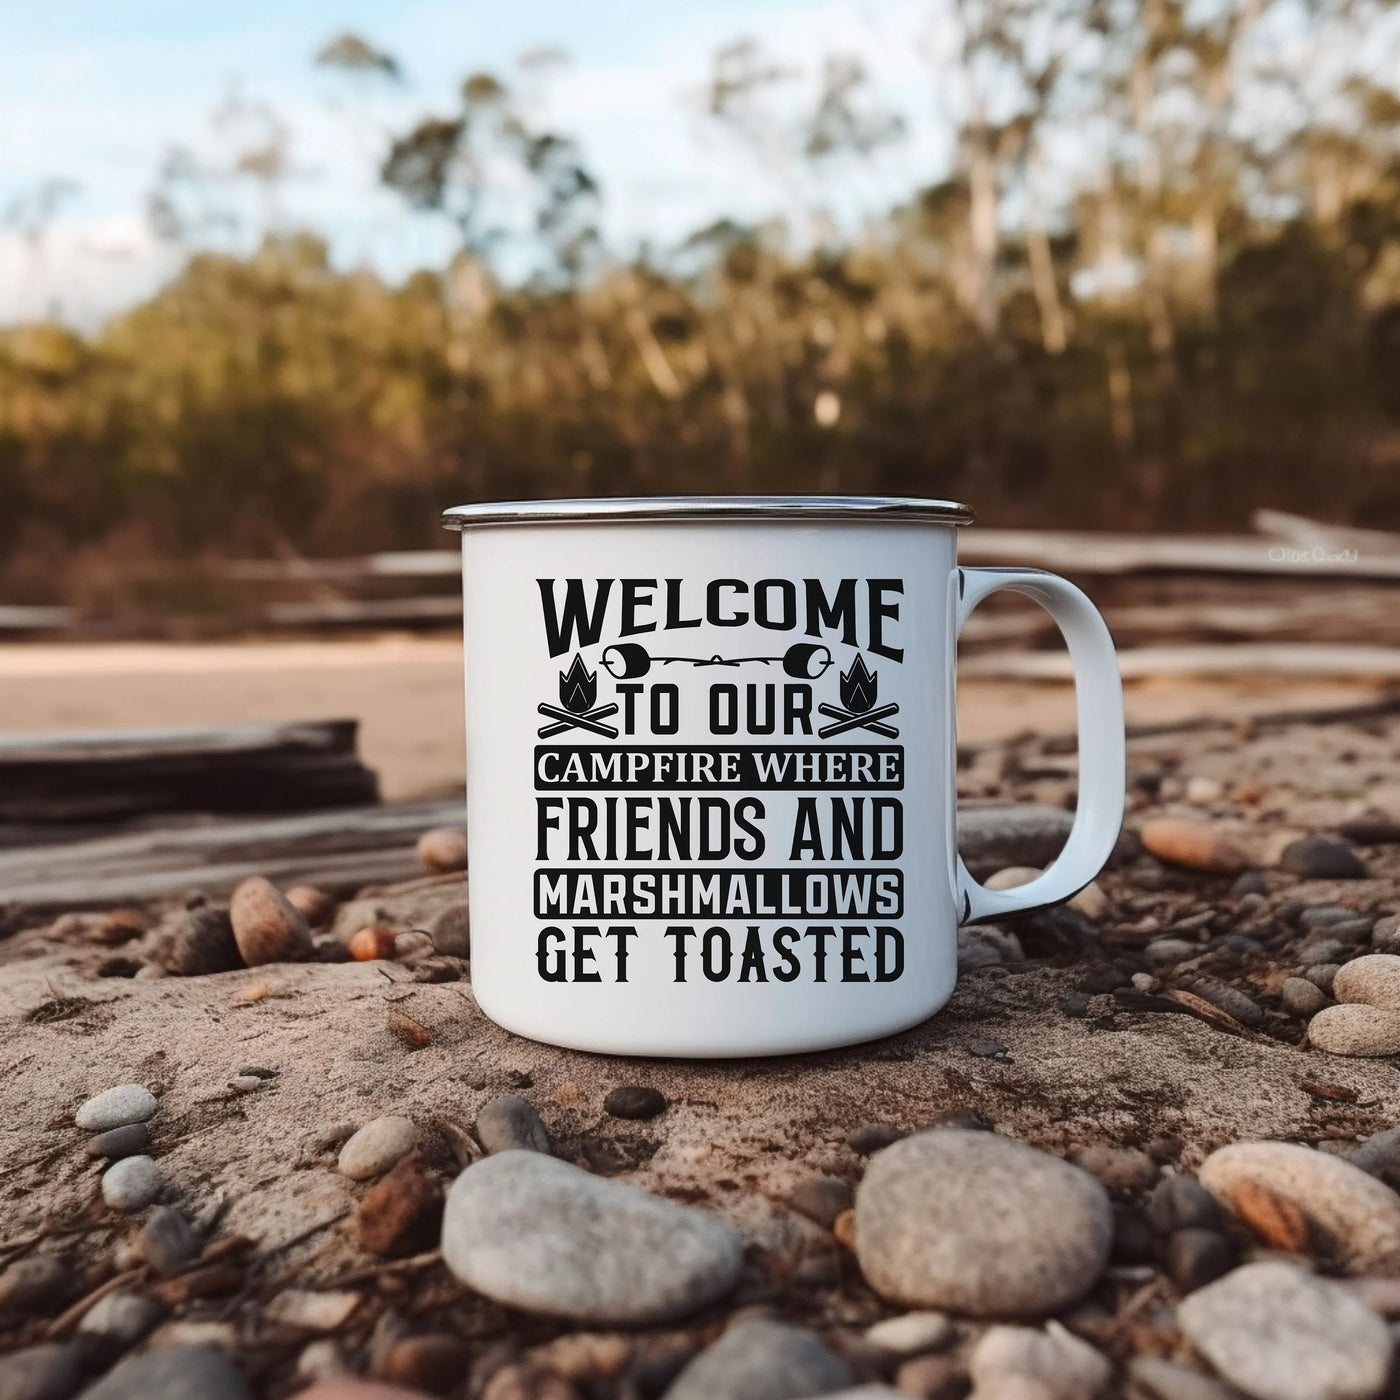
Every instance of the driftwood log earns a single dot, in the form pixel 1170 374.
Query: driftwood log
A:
pixel 106 776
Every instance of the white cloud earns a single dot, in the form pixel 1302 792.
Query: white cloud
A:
pixel 104 112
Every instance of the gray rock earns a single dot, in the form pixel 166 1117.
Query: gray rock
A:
pixel 911 1333
pixel 1021 834
pixel 1060 1364
pixel 1165 1380
pixel 1197 1257
pixel 510 1123
pixel 1373 979
pixel 1323 975
pixel 536 1233
pixel 47 1372
pixel 1299 997
pixel 1379 1156
pixel 762 1361
pixel 1319 952
pixel 167 1242
pixel 451 930
pixel 178 1373
pixel 131 1184
pixel 1357 1216
pixel 1278 1333
pixel 980 1224
pixel 377 1146
pixel 125 1141
pixel 198 942
pixel 1162 952
pixel 987 946
pixel 1317 916
pixel 821 1198
pixel 114 1108
pixel 32 1282
pixel 124 1317
pixel 1354 1029
pixel 1231 1001
pixel 634 1101
pixel 1385 935
pixel 1323 858
pixel 1180 1202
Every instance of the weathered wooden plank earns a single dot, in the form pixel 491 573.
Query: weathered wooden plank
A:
pixel 1086 553
pixel 339 850
pixel 300 766
pixel 1238 658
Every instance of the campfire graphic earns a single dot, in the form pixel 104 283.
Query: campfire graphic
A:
pixel 578 690
pixel 859 688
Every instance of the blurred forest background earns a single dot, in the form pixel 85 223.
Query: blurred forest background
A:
pixel 1158 287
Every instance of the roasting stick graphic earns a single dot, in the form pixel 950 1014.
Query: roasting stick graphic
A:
pixel 629 661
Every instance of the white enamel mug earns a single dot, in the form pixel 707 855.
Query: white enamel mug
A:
pixel 711 791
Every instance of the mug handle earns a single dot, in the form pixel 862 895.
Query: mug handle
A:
pixel 1098 690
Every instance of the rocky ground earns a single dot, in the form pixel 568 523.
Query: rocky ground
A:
pixel 1146 1150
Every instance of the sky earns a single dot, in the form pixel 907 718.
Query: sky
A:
pixel 94 96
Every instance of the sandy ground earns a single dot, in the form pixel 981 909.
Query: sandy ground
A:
pixel 407 693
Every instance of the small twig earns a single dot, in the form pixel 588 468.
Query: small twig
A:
pixel 70 1316
pixel 394 1266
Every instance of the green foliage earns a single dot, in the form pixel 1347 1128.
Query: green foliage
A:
pixel 1199 329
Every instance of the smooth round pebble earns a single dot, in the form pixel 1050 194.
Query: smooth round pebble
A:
pixel 124 1317
pixel 1091 901
pixel 821 1198
pixel 910 1333
pixel 443 849
pixel 509 1123
pixel 33 1282
pixel 316 906
pixel 267 928
pixel 1357 1216
pixel 1012 877
pixel 762 1360
pixel 1323 858
pixel 1385 934
pixel 125 1141
pixel 1379 1156
pixel 116 1108
pixel 1351 1028
pixel 1197 1257
pixel 1323 975
pixel 1373 979
pixel 197 943
pixel 634 1101
pixel 176 1373
pixel 871 1137
pixel 131 1184
pixel 50 1371
pixel 1158 1379
pixel 373 943
pixel 1299 997
pixel 376 1147
pixel 1277 1332
pixel 1124 1169
pixel 980 1224
pixel 433 1361
pixel 1066 1367
pixel 166 1241
pixel 1193 845
pixel 1180 1202
pixel 1163 951
pixel 401 1213
pixel 536 1233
